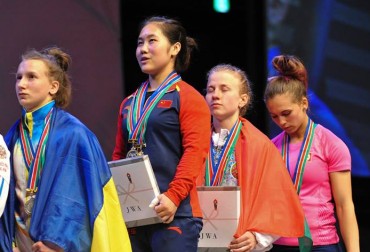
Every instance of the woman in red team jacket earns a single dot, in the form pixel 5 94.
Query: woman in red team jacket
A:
pixel 168 120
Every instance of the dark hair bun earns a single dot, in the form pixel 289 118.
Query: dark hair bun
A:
pixel 61 58
pixel 290 67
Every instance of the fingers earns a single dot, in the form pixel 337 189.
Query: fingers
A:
pixel 45 247
pixel 36 246
pixel 242 249
pixel 168 220
pixel 154 202
pixel 246 242
pixel 164 208
pixel 166 217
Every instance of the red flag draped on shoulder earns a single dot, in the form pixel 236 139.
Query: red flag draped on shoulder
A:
pixel 269 202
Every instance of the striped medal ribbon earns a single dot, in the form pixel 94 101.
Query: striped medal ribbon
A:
pixel 214 172
pixel 140 109
pixel 303 154
pixel 34 160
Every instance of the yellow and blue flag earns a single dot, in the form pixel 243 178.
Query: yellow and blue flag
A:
pixel 77 206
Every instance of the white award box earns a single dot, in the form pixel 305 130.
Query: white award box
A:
pixel 136 187
pixel 221 209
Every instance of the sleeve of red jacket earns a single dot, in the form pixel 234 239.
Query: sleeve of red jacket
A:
pixel 195 126
pixel 119 151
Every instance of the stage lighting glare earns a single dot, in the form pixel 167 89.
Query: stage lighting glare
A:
pixel 221 6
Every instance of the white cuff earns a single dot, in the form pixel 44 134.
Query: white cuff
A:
pixel 264 241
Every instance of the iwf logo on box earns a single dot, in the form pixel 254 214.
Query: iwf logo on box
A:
pixel 128 193
pixel 136 187
pixel 221 209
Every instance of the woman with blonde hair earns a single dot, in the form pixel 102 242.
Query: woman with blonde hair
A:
pixel 62 196
pixel 241 155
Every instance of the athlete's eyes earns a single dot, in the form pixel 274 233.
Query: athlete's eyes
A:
pixel 286 113
pixel 210 90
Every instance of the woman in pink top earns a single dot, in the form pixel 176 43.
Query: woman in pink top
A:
pixel 318 161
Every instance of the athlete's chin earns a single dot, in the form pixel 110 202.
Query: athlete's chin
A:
pixel 23 102
pixel 289 130
pixel 146 69
pixel 218 114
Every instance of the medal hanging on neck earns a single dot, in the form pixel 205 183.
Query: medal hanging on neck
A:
pixel 303 154
pixel 214 172
pixel 34 161
pixel 140 110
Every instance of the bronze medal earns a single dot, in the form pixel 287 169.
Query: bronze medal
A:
pixel 28 206
pixel 30 201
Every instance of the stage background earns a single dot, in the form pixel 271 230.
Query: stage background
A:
pixel 90 32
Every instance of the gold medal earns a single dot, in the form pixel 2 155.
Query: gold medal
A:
pixel 30 200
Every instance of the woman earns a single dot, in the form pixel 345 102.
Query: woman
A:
pixel 62 197
pixel 4 173
pixel 241 155
pixel 318 162
pixel 168 120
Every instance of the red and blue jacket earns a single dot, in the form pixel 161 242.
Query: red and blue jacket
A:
pixel 177 142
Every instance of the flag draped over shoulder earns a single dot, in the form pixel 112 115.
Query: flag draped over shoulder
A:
pixel 269 202
pixel 76 206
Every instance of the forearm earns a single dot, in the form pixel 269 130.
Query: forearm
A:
pixel 184 180
pixel 196 145
pixel 349 228
pixel 195 131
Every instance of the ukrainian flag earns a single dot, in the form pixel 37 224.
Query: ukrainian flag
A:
pixel 77 206
pixel 110 233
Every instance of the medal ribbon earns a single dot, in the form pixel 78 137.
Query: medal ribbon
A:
pixel 34 160
pixel 303 154
pixel 215 172
pixel 140 109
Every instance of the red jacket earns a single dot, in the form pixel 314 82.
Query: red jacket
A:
pixel 177 142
